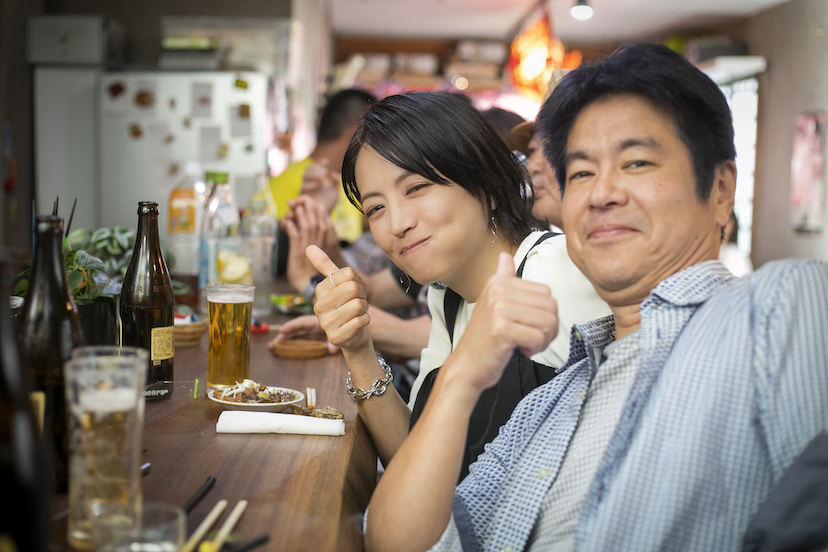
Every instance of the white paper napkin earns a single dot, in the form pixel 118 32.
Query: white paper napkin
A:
pixel 236 421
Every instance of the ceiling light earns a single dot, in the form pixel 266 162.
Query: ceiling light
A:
pixel 581 11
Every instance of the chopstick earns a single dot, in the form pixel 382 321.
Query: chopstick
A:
pixel 228 525
pixel 199 494
pixel 196 537
pixel 310 398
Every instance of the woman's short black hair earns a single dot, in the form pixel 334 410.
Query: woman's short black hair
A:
pixel 444 139
pixel 669 82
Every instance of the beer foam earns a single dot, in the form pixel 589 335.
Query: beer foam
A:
pixel 230 297
pixel 107 401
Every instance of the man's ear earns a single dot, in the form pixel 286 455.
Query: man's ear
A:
pixel 724 191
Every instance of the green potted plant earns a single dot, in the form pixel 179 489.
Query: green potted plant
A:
pixel 95 263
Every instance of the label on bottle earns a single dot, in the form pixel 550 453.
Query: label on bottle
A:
pixel 182 212
pixel 228 215
pixel 163 344
pixel 38 399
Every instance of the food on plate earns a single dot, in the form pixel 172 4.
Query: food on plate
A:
pixel 290 303
pixel 329 412
pixel 249 391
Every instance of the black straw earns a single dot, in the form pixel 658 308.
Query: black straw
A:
pixel 71 216
pixel 244 547
pixel 55 206
pixel 200 494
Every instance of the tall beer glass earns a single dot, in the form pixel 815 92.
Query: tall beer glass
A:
pixel 105 398
pixel 229 309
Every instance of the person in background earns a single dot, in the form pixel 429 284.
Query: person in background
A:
pixel 444 196
pixel 318 175
pixel 503 122
pixel 545 188
pixel 729 254
pixel 674 417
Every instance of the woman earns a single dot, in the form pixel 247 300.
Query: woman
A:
pixel 444 199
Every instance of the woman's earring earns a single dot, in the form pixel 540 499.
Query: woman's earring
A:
pixel 408 286
pixel 494 231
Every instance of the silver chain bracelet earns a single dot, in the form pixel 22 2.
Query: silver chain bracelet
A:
pixel 377 388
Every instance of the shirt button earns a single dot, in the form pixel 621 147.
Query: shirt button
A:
pixel 507 548
pixel 582 394
pixel 578 336
pixel 542 473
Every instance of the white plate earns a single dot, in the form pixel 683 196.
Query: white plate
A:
pixel 259 407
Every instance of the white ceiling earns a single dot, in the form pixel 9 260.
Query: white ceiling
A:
pixel 614 21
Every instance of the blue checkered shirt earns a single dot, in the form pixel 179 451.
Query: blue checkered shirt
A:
pixel 731 385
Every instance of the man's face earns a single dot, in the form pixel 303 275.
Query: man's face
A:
pixel 547 193
pixel 630 208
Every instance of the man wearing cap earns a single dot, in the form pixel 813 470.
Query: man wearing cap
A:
pixel 547 193
pixel 675 417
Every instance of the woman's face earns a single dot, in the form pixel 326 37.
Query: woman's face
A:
pixel 433 232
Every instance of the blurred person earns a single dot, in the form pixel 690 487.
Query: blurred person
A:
pixel 674 417
pixel 318 174
pixel 503 122
pixel 730 255
pixel 442 194
pixel 545 188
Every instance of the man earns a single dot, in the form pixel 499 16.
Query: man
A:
pixel 673 418
pixel 318 175
pixel 547 193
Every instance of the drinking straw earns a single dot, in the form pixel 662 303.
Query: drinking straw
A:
pixel 199 494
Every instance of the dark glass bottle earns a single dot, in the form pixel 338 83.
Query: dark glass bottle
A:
pixel 147 302
pixel 24 479
pixel 49 330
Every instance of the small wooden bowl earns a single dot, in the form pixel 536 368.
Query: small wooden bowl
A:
pixel 189 335
pixel 300 348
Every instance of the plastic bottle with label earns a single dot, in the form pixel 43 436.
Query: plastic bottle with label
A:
pixel 186 206
pixel 147 302
pixel 258 231
pixel 222 256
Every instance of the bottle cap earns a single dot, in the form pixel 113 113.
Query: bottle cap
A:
pixel 216 177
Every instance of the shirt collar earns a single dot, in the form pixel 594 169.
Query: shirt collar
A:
pixel 691 286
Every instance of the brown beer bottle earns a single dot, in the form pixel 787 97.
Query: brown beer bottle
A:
pixel 147 302
pixel 50 329
pixel 24 480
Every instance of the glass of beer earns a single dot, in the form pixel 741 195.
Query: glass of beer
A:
pixel 105 399
pixel 229 310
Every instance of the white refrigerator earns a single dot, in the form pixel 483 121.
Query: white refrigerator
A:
pixel 112 139
pixel 151 124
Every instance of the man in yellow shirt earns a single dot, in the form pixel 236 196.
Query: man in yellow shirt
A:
pixel 318 175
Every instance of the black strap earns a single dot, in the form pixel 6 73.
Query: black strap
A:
pixel 546 236
pixel 452 300
pixel 451 304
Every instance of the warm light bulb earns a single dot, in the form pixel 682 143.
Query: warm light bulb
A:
pixel 581 11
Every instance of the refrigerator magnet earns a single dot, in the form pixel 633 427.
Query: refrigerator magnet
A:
pixel 144 99
pixel 240 125
pixel 115 98
pixel 202 100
